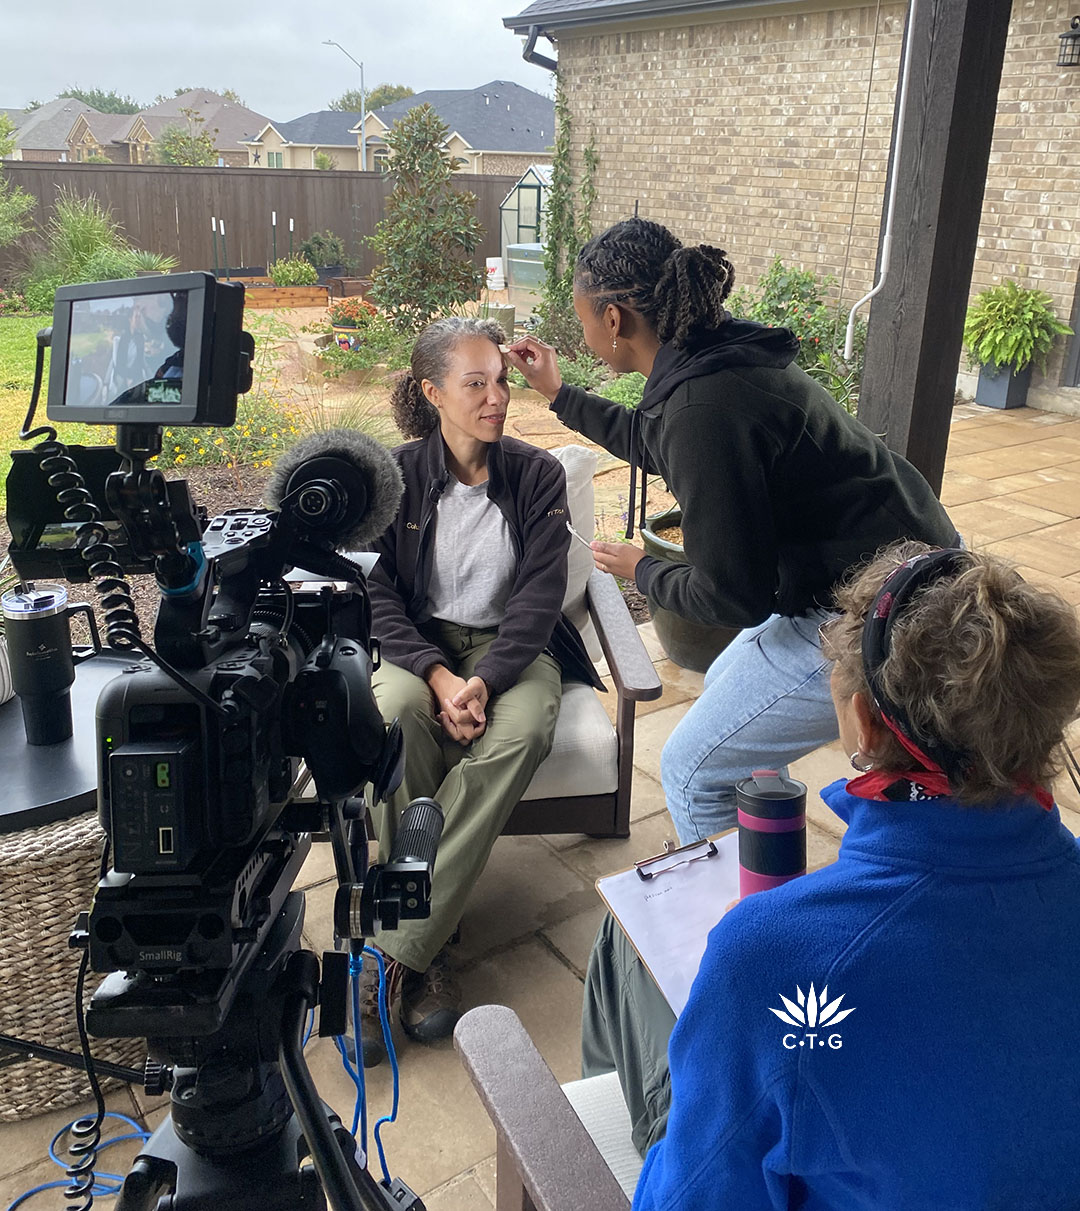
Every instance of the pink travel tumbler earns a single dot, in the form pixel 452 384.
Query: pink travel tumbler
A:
pixel 772 830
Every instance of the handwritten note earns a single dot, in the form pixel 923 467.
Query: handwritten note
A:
pixel 668 917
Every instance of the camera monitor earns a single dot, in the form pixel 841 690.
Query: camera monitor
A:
pixel 164 350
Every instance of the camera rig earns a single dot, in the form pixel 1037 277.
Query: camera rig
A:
pixel 194 923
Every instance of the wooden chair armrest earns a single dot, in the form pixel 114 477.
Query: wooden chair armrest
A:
pixel 631 669
pixel 538 1132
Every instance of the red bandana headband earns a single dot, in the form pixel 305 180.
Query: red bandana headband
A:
pixel 939 764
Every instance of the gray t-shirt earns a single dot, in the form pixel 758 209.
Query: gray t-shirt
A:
pixel 474 565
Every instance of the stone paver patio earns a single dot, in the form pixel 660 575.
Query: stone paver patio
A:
pixel 1012 485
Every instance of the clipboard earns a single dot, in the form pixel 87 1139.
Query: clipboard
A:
pixel 667 905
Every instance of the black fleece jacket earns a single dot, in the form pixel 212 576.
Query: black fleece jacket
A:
pixel 781 490
pixel 529 486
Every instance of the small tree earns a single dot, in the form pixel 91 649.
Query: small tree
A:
pixel 15 203
pixel 430 231
pixel 325 161
pixel 106 102
pixel 380 95
pixel 190 146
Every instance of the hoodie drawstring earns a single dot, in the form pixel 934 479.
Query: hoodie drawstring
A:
pixel 635 440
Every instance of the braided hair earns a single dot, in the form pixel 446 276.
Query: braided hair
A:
pixel 679 290
pixel 414 414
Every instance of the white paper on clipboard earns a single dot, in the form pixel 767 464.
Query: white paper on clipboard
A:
pixel 668 917
pixel 301 576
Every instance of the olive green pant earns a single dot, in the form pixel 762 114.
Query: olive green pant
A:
pixel 477 785
pixel 625 1027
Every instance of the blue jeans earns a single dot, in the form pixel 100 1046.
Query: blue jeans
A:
pixel 766 702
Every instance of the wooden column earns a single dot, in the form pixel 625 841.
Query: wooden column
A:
pixel 917 321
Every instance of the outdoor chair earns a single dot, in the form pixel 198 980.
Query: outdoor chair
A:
pixel 584 784
pixel 557 1149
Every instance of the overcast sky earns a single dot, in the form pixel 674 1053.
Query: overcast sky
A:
pixel 270 52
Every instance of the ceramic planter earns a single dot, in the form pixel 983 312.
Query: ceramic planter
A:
pixel 692 645
pixel 1002 386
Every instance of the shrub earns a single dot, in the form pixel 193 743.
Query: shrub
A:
pixel 1012 325
pixel 430 231
pixel 792 298
pixel 293 271
pixel 12 303
pixel 323 248
pixel 627 389
pixel 379 342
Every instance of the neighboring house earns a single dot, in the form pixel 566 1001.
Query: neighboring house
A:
pixel 130 138
pixel 497 129
pixel 41 134
pixel 295 144
pixel 767 130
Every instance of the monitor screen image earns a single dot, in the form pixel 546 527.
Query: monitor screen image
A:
pixel 127 350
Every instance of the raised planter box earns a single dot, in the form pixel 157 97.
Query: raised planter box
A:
pixel 266 297
pixel 341 287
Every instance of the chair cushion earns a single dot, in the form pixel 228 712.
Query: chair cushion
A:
pixel 598 1102
pixel 584 757
pixel 580 467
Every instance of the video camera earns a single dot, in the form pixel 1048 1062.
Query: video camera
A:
pixel 200 739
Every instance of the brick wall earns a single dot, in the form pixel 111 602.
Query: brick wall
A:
pixel 770 136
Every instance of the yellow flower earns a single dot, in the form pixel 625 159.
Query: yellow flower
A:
pixel 176 449
pixel 218 441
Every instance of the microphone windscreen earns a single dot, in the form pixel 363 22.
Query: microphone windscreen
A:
pixel 370 508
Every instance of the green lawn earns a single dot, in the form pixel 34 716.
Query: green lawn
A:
pixel 18 349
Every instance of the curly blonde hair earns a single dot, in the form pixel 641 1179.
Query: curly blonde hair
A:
pixel 413 412
pixel 982 662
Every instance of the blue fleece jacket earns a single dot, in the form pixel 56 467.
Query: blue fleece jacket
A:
pixel 947 1077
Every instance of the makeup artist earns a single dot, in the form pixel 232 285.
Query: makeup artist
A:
pixel 781 493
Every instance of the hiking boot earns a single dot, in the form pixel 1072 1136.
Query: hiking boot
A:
pixel 372 1047
pixel 430 1001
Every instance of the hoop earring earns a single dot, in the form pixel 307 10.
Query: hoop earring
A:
pixel 863 769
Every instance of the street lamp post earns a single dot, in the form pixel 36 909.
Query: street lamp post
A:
pixel 363 107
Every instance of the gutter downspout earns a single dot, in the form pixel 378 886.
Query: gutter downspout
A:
pixel 530 55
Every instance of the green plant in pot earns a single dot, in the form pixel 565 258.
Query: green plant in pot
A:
pixel 326 252
pixel 1009 330
pixel 693 645
pixel 293 271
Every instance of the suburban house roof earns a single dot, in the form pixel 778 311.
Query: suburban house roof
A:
pixel 497 116
pixel 324 128
pixel 234 123
pixel 46 128
pixel 562 14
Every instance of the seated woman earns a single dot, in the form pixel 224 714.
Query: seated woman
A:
pixel 927 984
pixel 466 602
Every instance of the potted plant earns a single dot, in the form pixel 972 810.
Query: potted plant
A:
pixel 693 645
pixel 347 316
pixel 1009 328
pixel 326 252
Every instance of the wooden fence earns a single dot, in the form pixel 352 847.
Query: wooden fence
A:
pixel 169 210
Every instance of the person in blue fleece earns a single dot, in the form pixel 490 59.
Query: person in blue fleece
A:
pixel 900 1029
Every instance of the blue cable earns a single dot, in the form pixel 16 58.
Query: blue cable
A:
pixel 355 963
pixel 310 1027
pixel 99 1189
pixel 384 1019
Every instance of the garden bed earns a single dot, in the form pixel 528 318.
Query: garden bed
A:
pixel 268 297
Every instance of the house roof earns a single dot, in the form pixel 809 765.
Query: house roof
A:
pixel 497 116
pixel 324 128
pixel 562 14
pixel 234 123
pixel 106 128
pixel 46 128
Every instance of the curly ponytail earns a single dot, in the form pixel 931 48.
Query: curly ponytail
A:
pixel 680 291
pixel 414 414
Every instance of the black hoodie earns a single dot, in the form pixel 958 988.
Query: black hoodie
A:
pixel 781 490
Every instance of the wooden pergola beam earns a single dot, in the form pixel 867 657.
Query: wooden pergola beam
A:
pixel 917 321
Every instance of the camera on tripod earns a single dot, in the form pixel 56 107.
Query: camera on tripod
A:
pixel 201 737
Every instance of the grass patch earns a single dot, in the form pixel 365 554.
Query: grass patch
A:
pixel 18 350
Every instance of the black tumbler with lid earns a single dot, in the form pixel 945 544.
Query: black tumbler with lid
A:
pixel 39 649
pixel 772 830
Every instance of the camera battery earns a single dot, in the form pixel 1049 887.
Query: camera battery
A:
pixel 154 793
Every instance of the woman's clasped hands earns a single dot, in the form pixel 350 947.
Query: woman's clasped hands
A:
pixel 461 704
